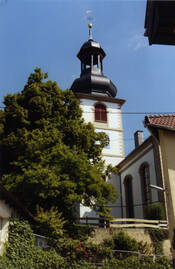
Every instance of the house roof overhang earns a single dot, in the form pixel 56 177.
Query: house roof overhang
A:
pixel 13 202
pixel 154 123
pixel 160 22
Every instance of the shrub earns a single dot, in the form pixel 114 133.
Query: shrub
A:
pixel 157 237
pixel 21 252
pixel 50 222
pixel 98 253
pixel 135 263
pixel 5 263
pixel 47 259
pixel 145 248
pixel 155 212
pixel 122 241
pixel 72 250
pixel 109 243
pixel 20 246
pixel 78 231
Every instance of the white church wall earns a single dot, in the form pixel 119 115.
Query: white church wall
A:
pixel 132 168
pixel 116 208
pixel 87 212
pixel 114 152
pixel 112 160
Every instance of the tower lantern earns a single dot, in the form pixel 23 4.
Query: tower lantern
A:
pixel 92 79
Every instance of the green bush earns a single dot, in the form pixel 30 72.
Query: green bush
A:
pixel 109 243
pixel 98 253
pixel 21 252
pixel 122 241
pixel 157 237
pixel 82 265
pixel 135 263
pixel 155 212
pixel 50 222
pixel 47 259
pixel 5 263
pixel 20 246
pixel 78 231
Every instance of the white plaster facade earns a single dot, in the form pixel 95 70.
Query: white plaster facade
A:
pixel 132 168
pixel 116 208
pixel 114 152
pixel 5 213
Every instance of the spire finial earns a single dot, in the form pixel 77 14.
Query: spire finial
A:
pixel 90 31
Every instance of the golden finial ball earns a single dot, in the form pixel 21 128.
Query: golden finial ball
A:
pixel 90 25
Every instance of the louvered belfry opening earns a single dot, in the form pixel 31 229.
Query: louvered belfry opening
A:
pixel 100 113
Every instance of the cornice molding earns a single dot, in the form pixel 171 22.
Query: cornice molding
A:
pixel 100 98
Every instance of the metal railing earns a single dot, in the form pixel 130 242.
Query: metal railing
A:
pixel 41 241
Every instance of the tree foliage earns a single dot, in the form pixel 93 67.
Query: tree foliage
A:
pixel 50 222
pixel 155 211
pixel 50 155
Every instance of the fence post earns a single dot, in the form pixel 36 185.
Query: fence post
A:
pixel 154 257
pixel 139 255
pixel 107 223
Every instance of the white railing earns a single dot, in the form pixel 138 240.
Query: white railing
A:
pixel 125 223
pixel 139 223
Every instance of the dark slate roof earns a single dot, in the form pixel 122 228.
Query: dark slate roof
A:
pixel 92 79
pixel 90 47
pixel 90 82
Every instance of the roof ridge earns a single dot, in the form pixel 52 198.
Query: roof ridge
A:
pixel 161 115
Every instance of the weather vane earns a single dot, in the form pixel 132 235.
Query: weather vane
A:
pixel 90 31
pixel 90 18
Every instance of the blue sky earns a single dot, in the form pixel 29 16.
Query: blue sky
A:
pixel 49 34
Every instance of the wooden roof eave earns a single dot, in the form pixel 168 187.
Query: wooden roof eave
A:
pixel 10 199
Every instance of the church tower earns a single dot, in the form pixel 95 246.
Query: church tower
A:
pixel 97 96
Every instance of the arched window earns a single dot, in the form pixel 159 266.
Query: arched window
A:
pixel 100 113
pixel 145 182
pixel 129 197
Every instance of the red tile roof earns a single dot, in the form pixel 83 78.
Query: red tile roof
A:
pixel 162 121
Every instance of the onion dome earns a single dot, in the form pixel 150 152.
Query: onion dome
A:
pixel 92 79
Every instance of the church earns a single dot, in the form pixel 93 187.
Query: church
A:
pixel 142 168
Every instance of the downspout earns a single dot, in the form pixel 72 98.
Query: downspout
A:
pixel 121 200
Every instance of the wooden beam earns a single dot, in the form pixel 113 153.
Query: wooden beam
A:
pixel 135 226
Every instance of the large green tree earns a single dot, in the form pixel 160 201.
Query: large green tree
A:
pixel 50 155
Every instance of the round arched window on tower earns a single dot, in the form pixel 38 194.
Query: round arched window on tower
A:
pixel 100 113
